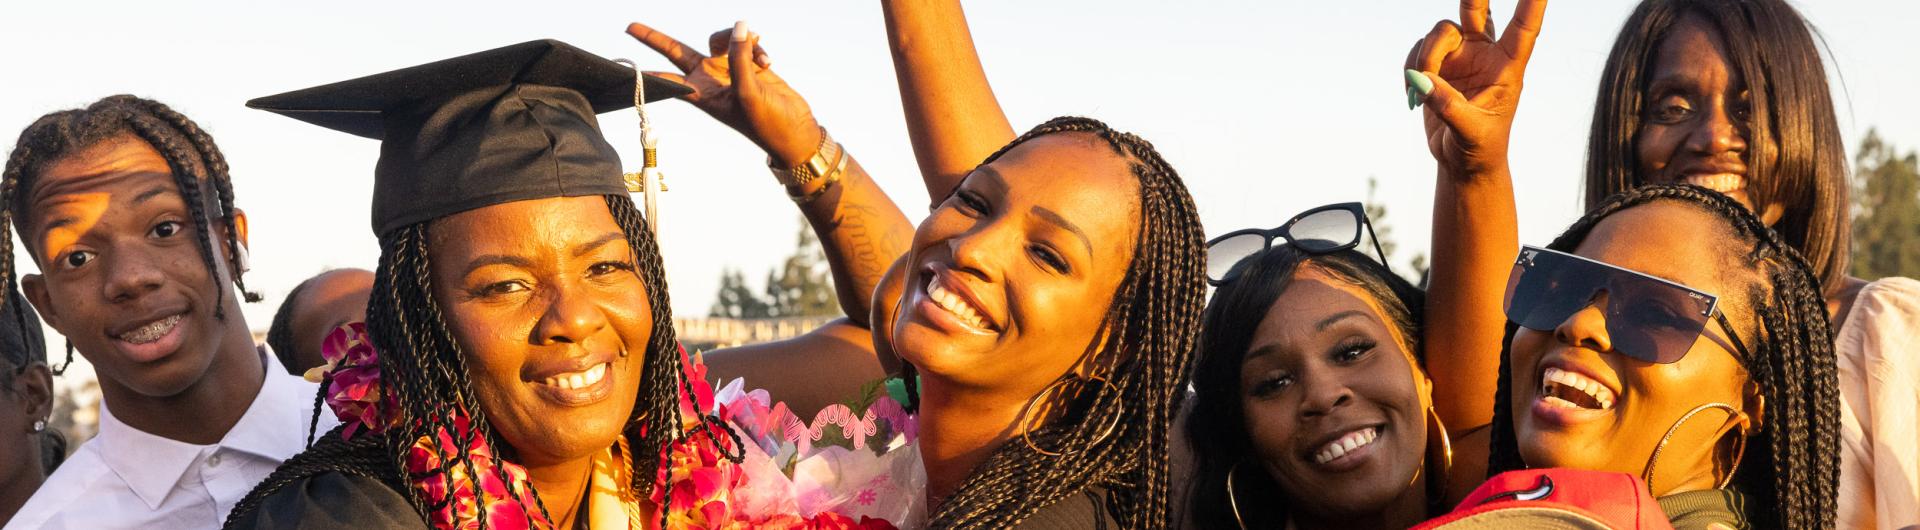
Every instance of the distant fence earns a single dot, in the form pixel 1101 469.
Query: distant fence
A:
pixel 710 333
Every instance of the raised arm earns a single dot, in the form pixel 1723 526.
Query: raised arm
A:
pixel 860 228
pixel 1470 83
pixel 952 116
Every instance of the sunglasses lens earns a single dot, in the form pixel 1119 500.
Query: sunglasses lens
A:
pixel 1545 292
pixel 1325 231
pixel 1223 254
pixel 1646 319
pixel 1652 321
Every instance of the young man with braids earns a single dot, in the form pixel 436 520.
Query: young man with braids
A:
pixel 127 209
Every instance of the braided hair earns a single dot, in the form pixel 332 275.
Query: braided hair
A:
pixel 199 173
pixel 1795 151
pixel 1218 423
pixel 424 370
pixel 1792 463
pixel 1115 437
pixel 22 347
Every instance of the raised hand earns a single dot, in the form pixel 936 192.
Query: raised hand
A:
pixel 735 85
pixel 1473 82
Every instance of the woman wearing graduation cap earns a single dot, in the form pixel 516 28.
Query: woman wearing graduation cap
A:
pixel 518 367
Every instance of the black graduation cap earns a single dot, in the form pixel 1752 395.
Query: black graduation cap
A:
pixel 503 125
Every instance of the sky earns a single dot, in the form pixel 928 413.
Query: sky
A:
pixel 1265 108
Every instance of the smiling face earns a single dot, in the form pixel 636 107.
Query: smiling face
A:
pixel 543 299
pixel 1009 279
pixel 1333 402
pixel 1577 404
pixel 122 275
pixel 1694 126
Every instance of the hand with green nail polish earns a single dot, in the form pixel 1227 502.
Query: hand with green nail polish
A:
pixel 1469 80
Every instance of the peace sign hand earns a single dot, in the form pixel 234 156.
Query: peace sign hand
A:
pixel 735 85
pixel 1474 81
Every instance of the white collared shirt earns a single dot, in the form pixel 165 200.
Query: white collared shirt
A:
pixel 126 478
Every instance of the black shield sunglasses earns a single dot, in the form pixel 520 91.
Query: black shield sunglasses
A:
pixel 1648 318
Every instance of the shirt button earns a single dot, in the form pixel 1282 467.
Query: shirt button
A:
pixel 213 461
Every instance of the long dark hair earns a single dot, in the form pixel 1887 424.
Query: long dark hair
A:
pixel 1795 153
pixel 1217 424
pixel 1153 322
pixel 1792 461
pixel 196 163
pixel 423 368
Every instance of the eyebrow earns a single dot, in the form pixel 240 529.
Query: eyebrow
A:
pixel 496 259
pixel 588 247
pixel 1262 351
pixel 1343 315
pixel 1055 218
pixel 992 176
pixel 156 191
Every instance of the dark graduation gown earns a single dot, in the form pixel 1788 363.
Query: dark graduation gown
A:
pixel 331 500
pixel 334 484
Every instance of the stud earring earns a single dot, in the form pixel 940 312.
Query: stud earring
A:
pixel 39 425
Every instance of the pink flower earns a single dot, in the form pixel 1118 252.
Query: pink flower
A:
pixel 354 391
pixel 462 511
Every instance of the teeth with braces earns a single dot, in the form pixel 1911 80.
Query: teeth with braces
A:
pixel 152 331
pixel 1346 444
pixel 955 304
pixel 1555 378
pixel 578 380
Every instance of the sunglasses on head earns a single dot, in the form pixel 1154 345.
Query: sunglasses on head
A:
pixel 1648 318
pixel 1323 230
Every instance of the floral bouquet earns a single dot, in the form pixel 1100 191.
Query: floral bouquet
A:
pixel 793 474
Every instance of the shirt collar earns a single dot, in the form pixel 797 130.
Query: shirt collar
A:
pixel 151 465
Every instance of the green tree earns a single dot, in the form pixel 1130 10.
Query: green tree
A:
pixel 1886 205
pixel 735 299
pixel 802 286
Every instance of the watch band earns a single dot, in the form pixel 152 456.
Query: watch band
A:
pixel 819 165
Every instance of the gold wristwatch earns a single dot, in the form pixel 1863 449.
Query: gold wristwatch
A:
pixel 821 164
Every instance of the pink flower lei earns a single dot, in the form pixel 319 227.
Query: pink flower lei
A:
pixel 710 488
pixel 435 468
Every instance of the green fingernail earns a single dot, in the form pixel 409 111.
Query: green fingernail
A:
pixel 1419 82
pixel 1413 100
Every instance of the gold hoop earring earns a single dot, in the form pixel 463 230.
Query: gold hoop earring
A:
pixel 1233 501
pixel 1028 409
pixel 1739 451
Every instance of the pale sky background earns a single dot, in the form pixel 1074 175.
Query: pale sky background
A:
pixel 1266 108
